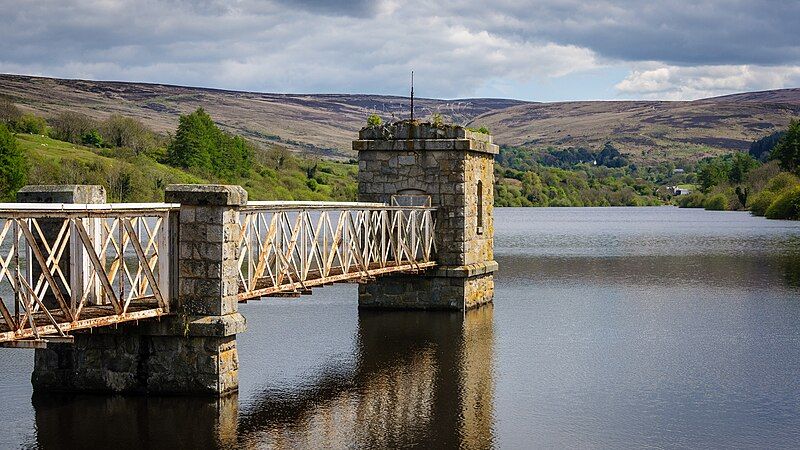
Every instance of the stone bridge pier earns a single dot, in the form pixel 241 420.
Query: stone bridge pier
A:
pixel 453 167
pixel 192 351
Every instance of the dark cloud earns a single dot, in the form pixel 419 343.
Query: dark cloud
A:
pixel 675 32
pixel 369 46
pixel 355 8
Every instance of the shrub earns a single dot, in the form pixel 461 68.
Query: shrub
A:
pixel 716 202
pixel 9 113
pixel 71 126
pixel 374 120
pixel 693 200
pixel 31 124
pixel 761 201
pixel 92 138
pixel 782 181
pixel 437 120
pixel 786 205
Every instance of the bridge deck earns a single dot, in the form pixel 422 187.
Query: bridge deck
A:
pixel 336 275
pixel 91 317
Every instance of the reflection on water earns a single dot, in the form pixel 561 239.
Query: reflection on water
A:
pixel 422 379
pixel 121 422
pixel 611 328
pixel 414 372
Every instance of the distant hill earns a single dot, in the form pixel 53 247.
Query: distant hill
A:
pixel 648 131
pixel 324 124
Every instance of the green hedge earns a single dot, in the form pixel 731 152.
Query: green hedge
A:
pixel 716 202
pixel 760 202
pixel 786 206
pixel 693 200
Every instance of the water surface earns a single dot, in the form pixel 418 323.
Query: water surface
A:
pixel 612 327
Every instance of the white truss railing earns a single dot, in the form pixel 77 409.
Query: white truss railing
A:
pixel 288 247
pixel 117 257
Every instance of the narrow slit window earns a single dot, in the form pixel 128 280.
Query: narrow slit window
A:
pixel 479 229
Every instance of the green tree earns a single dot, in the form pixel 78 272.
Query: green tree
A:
pixel 121 131
pixel 13 167
pixel 31 124
pixel 200 145
pixel 787 152
pixel 92 138
pixel 374 120
pixel 741 165
pixel 713 172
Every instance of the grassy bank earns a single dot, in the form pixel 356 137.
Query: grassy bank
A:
pixel 139 178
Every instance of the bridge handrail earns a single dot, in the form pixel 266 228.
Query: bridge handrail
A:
pixel 255 205
pixel 87 210
pixel 71 266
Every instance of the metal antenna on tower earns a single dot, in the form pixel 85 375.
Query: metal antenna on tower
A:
pixel 412 95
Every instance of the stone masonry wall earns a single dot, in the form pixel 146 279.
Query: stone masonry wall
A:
pixel 128 361
pixel 426 292
pixel 448 163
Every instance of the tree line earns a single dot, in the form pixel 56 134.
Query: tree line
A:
pixel 764 180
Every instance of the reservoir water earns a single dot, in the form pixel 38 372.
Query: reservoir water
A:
pixel 611 327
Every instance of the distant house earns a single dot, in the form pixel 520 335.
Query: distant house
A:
pixel 678 190
pixel 677 171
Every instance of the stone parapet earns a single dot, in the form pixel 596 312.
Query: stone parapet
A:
pixel 208 272
pixel 63 193
pixel 206 194
pixel 420 130
pixel 426 145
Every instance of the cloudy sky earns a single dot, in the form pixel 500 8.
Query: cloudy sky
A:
pixel 545 50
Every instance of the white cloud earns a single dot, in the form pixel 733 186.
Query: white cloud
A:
pixel 657 81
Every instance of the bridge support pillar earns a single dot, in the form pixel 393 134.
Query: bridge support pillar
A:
pixel 192 352
pixel 406 162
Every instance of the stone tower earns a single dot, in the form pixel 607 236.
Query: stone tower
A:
pixel 455 168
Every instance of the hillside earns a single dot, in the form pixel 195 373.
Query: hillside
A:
pixel 140 178
pixel 649 132
pixel 319 124
pixel 324 124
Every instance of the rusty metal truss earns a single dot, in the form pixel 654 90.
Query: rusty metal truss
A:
pixel 117 260
pixel 285 248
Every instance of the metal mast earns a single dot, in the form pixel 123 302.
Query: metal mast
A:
pixel 412 95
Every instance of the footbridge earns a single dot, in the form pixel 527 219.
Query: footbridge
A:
pixel 121 297
pixel 67 267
